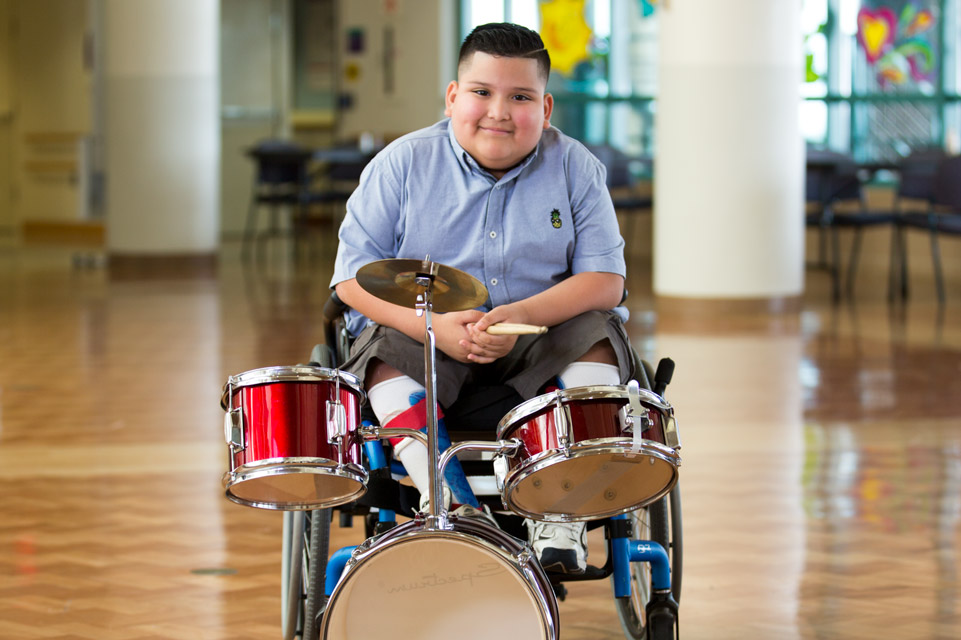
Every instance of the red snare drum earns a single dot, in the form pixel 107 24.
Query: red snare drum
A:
pixel 589 452
pixel 292 438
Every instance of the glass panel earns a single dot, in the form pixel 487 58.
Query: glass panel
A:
pixel 875 63
pixel 525 13
pixel 814 121
pixel 890 130
pixel 482 12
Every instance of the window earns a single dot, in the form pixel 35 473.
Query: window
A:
pixel 881 77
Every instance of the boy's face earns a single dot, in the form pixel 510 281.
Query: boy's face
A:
pixel 498 109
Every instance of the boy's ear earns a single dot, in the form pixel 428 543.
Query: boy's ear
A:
pixel 449 97
pixel 548 109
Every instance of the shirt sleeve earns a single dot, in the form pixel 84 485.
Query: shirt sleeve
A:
pixel 598 244
pixel 373 225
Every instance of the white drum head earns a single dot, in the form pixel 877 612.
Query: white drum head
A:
pixel 593 482
pixel 435 587
pixel 292 484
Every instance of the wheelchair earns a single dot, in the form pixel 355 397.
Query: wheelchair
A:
pixel 644 545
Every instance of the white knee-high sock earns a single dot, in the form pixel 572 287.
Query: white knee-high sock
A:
pixel 389 399
pixel 582 374
pixel 397 396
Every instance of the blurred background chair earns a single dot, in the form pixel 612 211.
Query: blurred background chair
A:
pixel 830 179
pixel 627 193
pixel 334 176
pixel 943 216
pixel 280 179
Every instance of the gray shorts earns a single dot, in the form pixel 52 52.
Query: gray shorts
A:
pixel 533 362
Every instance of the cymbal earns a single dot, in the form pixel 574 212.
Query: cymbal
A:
pixel 396 280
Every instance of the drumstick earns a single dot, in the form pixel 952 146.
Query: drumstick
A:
pixel 514 329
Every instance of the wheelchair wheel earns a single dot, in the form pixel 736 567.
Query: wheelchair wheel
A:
pixel 660 522
pixel 304 563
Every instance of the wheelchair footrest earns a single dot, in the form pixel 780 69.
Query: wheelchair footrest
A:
pixel 590 573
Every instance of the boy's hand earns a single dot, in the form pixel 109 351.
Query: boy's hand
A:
pixel 452 333
pixel 484 347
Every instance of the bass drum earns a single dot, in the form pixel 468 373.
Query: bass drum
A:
pixel 469 582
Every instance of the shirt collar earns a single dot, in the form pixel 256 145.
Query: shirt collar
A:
pixel 469 164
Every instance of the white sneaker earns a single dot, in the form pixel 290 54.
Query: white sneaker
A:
pixel 482 515
pixel 425 500
pixel 560 546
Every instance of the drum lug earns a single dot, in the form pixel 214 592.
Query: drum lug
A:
pixel 524 557
pixel 635 410
pixel 500 471
pixel 234 430
pixel 671 437
pixel 562 425
pixel 336 422
pixel 635 417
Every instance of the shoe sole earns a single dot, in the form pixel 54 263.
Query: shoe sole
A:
pixel 560 560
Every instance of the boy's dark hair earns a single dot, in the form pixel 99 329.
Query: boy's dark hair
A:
pixel 507 40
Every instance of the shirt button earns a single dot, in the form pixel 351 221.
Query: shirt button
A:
pixel 494 281
pixel 493 234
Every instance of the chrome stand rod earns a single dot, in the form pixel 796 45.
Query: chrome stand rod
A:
pixel 436 504
pixel 508 447
pixel 381 433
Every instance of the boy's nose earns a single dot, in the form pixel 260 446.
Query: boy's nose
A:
pixel 498 109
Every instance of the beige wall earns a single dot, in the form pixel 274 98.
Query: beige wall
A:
pixel 52 118
pixel 422 65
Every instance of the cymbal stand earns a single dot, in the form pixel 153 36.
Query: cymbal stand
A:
pixel 437 514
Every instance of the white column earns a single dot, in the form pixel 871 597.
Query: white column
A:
pixel 728 218
pixel 162 126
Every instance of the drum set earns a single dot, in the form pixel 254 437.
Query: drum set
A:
pixel 295 442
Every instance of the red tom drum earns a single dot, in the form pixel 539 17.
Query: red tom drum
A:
pixel 588 452
pixel 292 438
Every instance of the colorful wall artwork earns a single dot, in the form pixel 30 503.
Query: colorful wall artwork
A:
pixel 648 7
pixel 898 47
pixel 566 34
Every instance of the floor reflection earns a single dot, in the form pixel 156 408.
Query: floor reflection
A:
pixel 821 473
pixel 882 505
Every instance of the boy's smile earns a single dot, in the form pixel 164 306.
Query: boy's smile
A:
pixel 498 109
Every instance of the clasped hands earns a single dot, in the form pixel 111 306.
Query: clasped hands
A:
pixel 463 336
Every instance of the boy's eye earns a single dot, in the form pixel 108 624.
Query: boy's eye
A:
pixel 482 92
pixel 521 97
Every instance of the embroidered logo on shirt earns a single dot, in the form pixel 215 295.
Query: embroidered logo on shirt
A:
pixel 556 219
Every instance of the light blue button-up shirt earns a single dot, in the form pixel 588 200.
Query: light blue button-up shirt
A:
pixel 545 220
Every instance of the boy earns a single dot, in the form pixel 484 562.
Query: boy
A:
pixel 497 192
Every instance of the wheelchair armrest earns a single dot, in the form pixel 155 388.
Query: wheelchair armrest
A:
pixel 334 310
pixel 334 307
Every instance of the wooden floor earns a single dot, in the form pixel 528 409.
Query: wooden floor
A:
pixel 821 477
